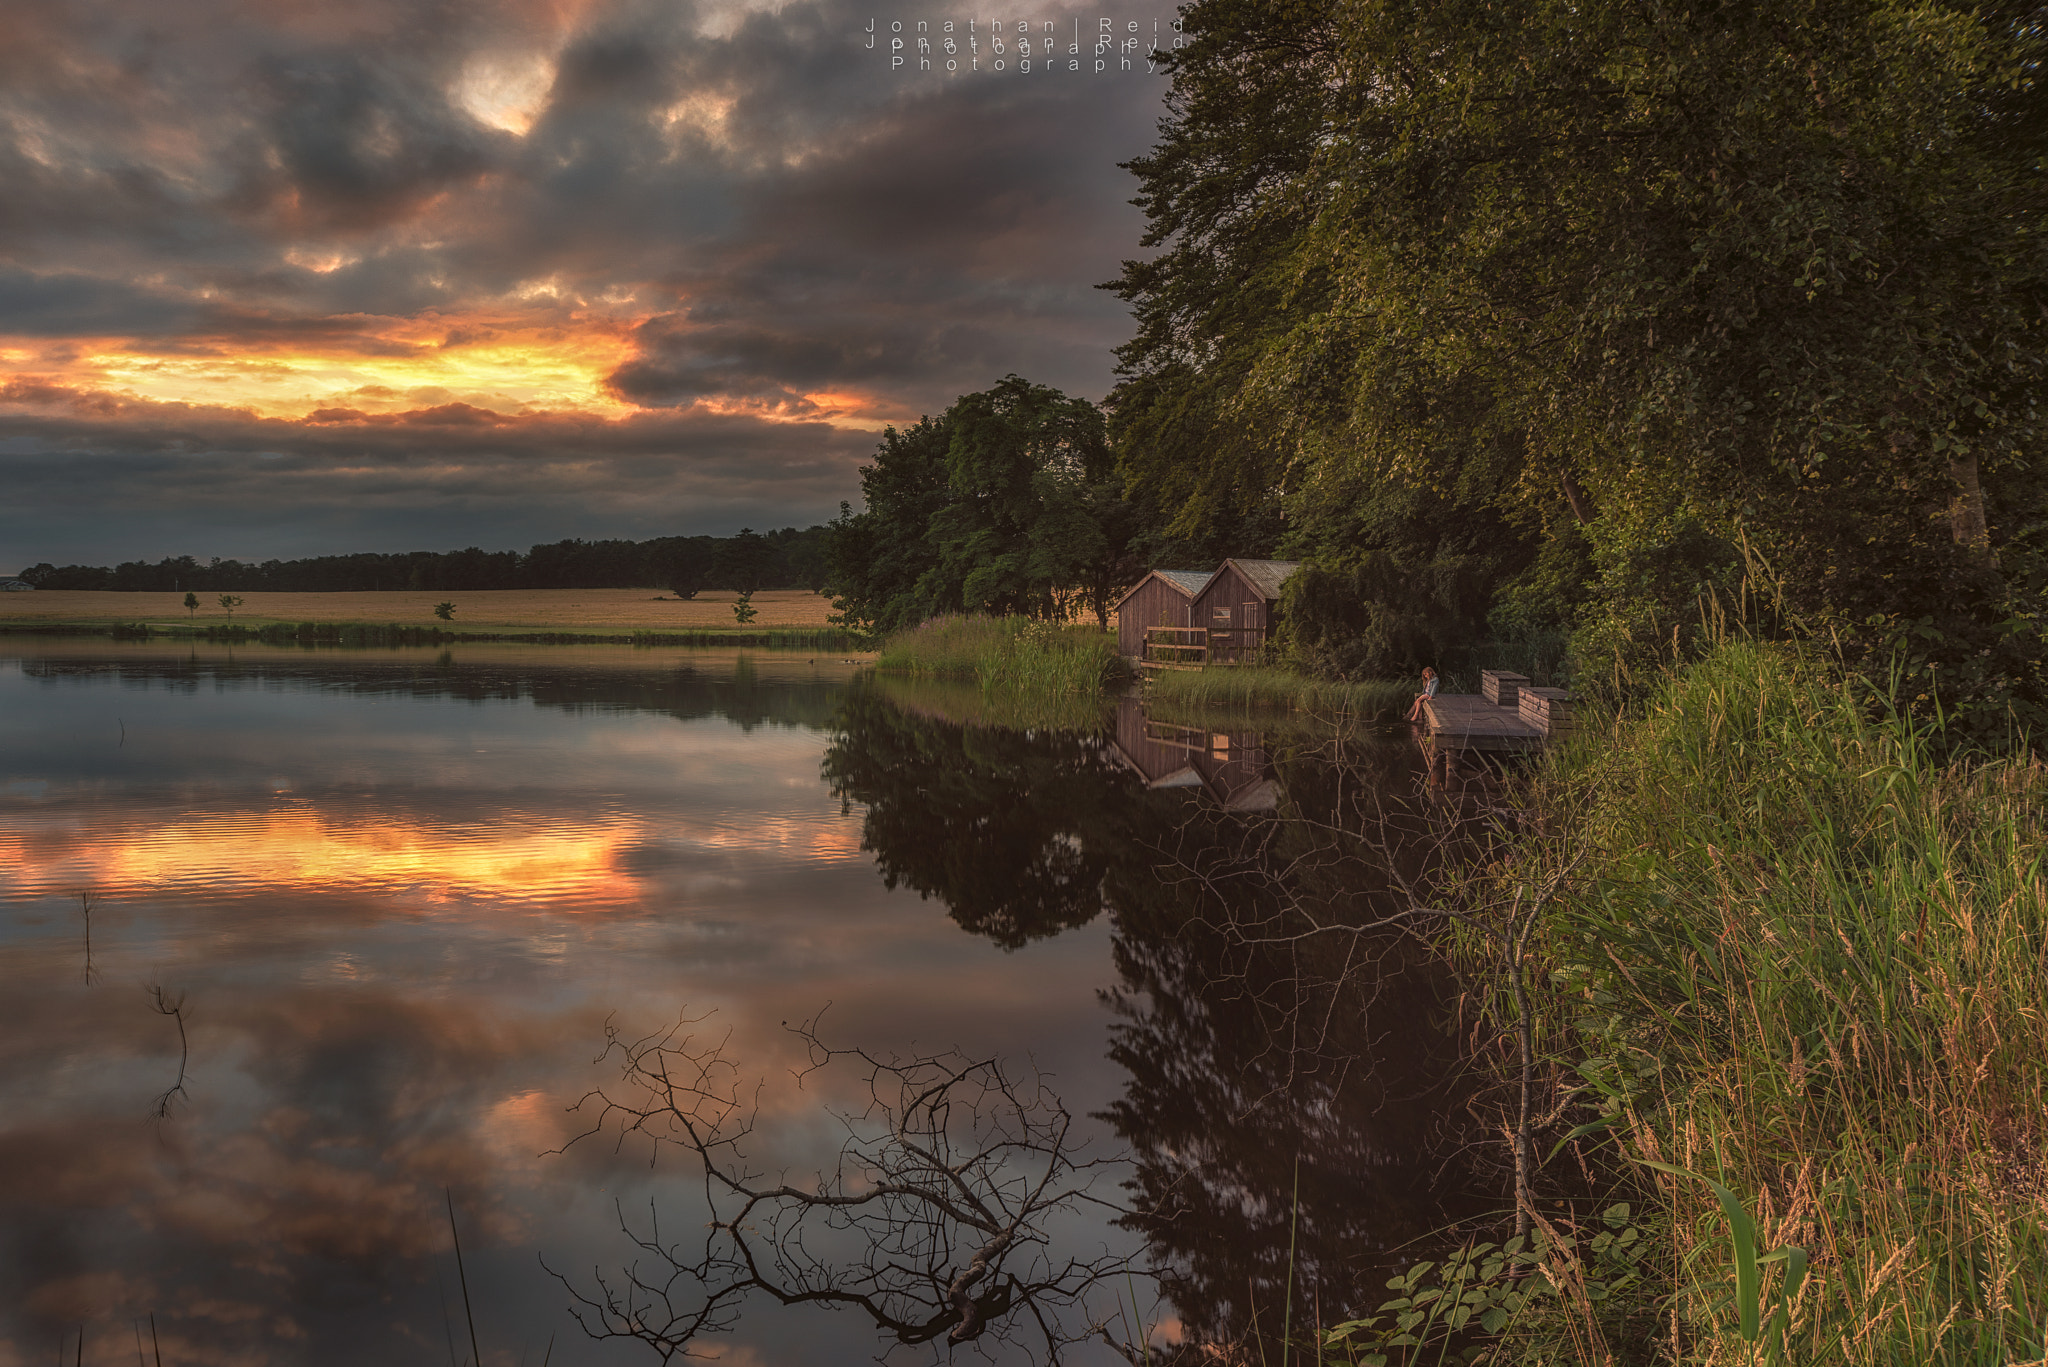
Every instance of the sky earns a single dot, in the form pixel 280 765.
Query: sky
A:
pixel 292 277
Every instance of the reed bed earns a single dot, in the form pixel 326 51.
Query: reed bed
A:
pixel 1264 689
pixel 963 702
pixel 1011 656
pixel 1793 954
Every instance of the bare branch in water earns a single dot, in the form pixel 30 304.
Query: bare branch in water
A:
pixel 87 901
pixel 174 1007
pixel 932 1224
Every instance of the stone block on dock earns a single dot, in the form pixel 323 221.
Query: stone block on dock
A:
pixel 1549 710
pixel 1500 687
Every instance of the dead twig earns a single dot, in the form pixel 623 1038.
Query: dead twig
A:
pixel 932 1224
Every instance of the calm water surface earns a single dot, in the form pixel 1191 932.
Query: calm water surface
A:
pixel 399 896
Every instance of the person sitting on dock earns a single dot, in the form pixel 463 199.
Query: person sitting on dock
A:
pixel 1428 692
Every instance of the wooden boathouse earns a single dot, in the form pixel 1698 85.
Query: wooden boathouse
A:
pixel 1236 606
pixel 1227 618
pixel 1163 598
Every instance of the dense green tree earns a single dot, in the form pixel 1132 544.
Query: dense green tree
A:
pixel 1773 271
pixel 879 556
pixel 682 564
pixel 1246 109
pixel 745 561
pixel 1035 515
pixel 789 559
pixel 1007 503
pixel 806 561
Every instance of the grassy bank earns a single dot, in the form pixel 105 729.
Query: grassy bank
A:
pixel 1788 953
pixel 1260 689
pixel 1008 655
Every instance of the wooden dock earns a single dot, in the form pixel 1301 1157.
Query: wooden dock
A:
pixel 1507 715
pixel 1467 721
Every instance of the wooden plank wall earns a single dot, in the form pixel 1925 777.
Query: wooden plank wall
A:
pixel 1156 604
pixel 1230 642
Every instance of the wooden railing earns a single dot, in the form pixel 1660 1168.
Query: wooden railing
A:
pixel 1176 647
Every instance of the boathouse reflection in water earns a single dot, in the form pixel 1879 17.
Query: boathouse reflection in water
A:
pixel 1232 766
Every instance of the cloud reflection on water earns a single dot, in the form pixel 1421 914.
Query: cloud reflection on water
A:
pixel 397 970
pixel 402 894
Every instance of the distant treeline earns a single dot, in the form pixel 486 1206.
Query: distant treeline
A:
pixel 785 559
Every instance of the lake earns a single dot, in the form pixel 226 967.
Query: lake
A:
pixel 302 948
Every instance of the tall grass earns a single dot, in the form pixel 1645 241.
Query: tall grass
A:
pixel 1008 655
pixel 1798 957
pixel 1253 688
pixel 963 702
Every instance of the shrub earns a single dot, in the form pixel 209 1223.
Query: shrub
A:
pixel 1378 618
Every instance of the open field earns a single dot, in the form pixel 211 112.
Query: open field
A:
pixel 612 610
pixel 766 666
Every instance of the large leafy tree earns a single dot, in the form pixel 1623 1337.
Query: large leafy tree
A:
pixel 1773 270
pixel 1006 503
pixel 878 556
pixel 1246 111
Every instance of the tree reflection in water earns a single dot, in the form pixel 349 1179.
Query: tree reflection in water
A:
pixel 932 1225
pixel 1014 831
pixel 1269 1041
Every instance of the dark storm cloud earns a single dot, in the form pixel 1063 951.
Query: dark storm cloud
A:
pixel 752 199
pixel 963 238
pixel 361 142
pixel 76 305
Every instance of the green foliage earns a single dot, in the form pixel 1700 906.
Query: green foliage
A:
pixel 1009 656
pixel 743 609
pixel 1748 1269
pixel 445 611
pixel 783 558
pixel 744 562
pixel 1801 951
pixel 1377 618
pixel 229 602
pixel 1654 604
pixel 1546 595
pixel 683 565
pixel 1648 280
pixel 1005 504
pixel 1219 692
pixel 191 604
pixel 1456 1309
pixel 1252 100
pixel 880 556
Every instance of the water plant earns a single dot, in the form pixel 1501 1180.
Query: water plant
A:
pixel 1008 655
pixel 1254 689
